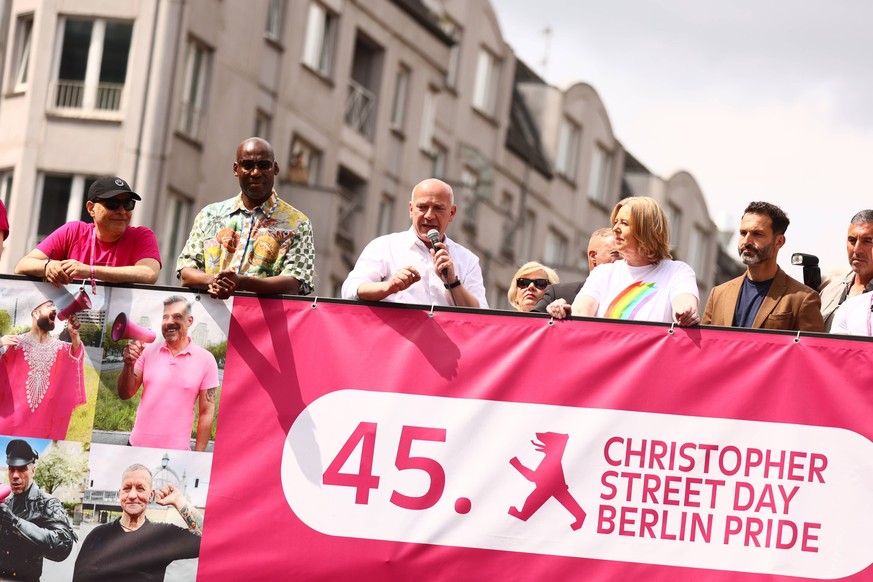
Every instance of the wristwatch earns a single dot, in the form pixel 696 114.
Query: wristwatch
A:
pixel 453 284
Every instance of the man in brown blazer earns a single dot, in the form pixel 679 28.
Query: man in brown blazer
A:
pixel 764 297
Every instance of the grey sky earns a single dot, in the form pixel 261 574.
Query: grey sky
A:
pixel 758 100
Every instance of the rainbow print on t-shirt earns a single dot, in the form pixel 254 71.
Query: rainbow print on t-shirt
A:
pixel 628 303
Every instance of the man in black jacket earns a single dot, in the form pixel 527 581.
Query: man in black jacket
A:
pixel 33 525
pixel 601 249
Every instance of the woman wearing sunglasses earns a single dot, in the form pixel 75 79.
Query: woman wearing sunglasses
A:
pixel 109 249
pixel 646 284
pixel 528 285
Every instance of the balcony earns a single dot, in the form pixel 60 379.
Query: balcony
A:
pixel 77 99
pixel 360 109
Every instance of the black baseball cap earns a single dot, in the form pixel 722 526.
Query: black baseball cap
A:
pixel 108 187
pixel 19 453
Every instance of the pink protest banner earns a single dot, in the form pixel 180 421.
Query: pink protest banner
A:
pixel 366 442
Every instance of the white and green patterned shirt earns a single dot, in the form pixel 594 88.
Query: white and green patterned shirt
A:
pixel 274 239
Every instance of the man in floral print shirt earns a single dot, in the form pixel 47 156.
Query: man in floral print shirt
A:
pixel 252 242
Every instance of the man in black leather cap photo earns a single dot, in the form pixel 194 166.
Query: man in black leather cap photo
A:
pixel 33 525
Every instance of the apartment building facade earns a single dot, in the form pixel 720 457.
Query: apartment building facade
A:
pixel 361 100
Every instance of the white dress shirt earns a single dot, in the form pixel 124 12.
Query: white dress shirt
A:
pixel 385 255
pixel 853 317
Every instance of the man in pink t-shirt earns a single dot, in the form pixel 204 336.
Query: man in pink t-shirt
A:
pixel 109 249
pixel 174 374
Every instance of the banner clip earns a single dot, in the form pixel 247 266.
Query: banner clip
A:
pixel 430 315
pixel 670 331
pixel 314 302
pixel 797 337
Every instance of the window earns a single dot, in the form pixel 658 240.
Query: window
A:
pixel 386 213
pixel 263 122
pixel 527 234
pixel 599 179
pixel 362 103
pixel 507 203
pixel 485 88
pixel 177 221
pixel 303 166
pixel 62 200
pixel 428 121
pixel 556 249
pixel 568 149
pixel 469 187
pixel 507 244
pixel 674 221
pixel 352 192
pixel 24 32
pixel 453 30
pixel 697 250
pixel 275 14
pixel 93 65
pixel 6 188
pixel 440 160
pixel 197 65
pixel 469 183
pixel 320 32
pixel 401 89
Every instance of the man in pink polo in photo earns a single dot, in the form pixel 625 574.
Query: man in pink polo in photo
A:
pixel 174 374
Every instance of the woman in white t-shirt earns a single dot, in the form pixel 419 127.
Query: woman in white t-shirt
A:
pixel 647 284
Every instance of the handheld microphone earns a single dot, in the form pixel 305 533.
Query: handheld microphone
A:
pixel 433 235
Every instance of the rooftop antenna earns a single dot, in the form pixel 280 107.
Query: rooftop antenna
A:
pixel 547 33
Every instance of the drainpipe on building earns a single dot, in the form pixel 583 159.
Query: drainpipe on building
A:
pixel 157 115
pixel 142 114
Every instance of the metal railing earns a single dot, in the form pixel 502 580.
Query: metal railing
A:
pixel 350 203
pixel 109 96
pixel 70 95
pixel 360 109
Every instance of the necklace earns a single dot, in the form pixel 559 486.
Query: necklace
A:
pixel 125 528
pixel 111 261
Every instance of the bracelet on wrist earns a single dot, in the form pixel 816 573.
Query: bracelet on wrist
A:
pixel 453 284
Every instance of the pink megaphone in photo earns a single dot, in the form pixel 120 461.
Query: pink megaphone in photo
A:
pixel 80 302
pixel 5 490
pixel 123 329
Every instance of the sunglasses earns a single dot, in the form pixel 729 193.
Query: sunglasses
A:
pixel 262 165
pixel 116 203
pixel 540 284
